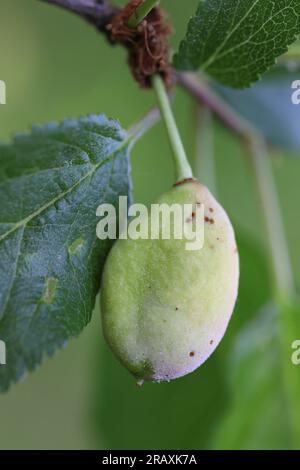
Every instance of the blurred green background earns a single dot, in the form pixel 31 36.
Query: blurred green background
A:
pixel 57 66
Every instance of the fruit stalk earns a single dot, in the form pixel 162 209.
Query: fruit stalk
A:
pixel 182 167
pixel 141 12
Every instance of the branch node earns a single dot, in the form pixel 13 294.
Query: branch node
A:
pixel 147 45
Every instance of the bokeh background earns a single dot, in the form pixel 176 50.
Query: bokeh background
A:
pixel 57 66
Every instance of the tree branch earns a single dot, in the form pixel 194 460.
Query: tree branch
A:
pixel 206 96
pixel 97 12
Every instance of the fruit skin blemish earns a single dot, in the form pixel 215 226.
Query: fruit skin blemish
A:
pixel 165 309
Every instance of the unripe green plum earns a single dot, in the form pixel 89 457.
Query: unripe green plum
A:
pixel 165 309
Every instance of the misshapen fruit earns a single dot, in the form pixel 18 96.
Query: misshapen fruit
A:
pixel 165 309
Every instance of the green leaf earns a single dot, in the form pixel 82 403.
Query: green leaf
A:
pixel 51 183
pixel 265 384
pixel 235 41
pixel 268 107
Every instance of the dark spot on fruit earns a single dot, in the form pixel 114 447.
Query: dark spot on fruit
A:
pixel 211 209
pixel 211 341
pixel 207 219
pixel 190 219
pixel 211 221
pixel 176 308
pixel 218 238
pixel 192 354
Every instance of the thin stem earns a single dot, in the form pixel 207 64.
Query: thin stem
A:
pixel 281 268
pixel 205 157
pixel 277 244
pixel 182 166
pixel 144 125
pixel 141 12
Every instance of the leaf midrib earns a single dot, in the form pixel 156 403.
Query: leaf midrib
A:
pixel 241 44
pixel 206 64
pixel 54 168
pixel 36 213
